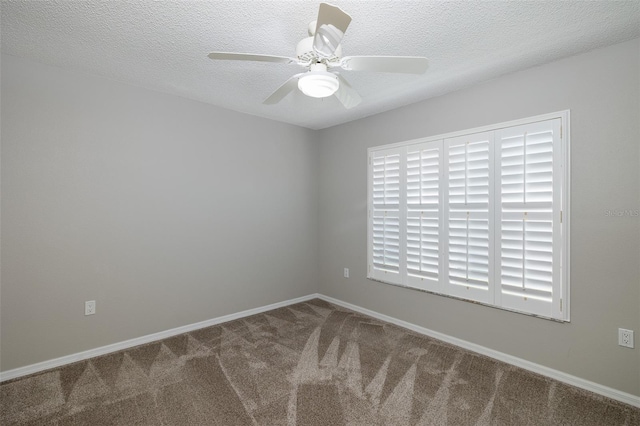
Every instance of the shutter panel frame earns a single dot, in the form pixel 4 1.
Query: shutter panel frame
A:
pixel 528 277
pixel 424 177
pixel 468 217
pixel 385 229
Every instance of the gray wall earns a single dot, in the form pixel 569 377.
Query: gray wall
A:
pixel 165 211
pixel 602 90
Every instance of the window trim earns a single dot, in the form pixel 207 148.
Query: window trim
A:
pixel 565 204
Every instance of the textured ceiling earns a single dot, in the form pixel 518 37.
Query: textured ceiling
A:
pixel 163 45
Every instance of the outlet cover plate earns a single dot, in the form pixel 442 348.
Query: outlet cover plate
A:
pixel 90 307
pixel 625 338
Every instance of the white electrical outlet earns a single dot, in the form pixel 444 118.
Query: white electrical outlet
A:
pixel 90 307
pixel 625 338
pixel 346 272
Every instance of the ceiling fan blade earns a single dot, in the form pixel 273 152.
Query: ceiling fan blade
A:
pixel 331 25
pixel 283 90
pixel 399 64
pixel 251 57
pixel 346 94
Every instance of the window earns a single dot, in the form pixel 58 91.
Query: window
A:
pixel 479 215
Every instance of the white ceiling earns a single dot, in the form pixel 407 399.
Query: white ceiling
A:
pixel 164 45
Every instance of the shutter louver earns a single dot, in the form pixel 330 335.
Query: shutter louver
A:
pixel 469 222
pixel 423 215
pixel 385 220
pixel 527 256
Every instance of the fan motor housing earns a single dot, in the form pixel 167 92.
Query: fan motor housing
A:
pixel 305 52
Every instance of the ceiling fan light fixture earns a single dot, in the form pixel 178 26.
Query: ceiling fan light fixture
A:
pixel 323 50
pixel 318 82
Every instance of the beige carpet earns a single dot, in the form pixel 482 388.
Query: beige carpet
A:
pixel 308 364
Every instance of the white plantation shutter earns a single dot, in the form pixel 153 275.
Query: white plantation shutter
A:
pixel 385 215
pixel 423 215
pixel 468 216
pixel 529 218
pixel 476 217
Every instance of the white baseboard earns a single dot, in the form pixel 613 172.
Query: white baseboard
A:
pixel 606 391
pixel 103 350
pixel 615 394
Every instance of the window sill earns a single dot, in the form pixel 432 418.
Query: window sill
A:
pixel 468 301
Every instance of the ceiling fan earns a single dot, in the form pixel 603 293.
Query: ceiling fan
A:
pixel 321 54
